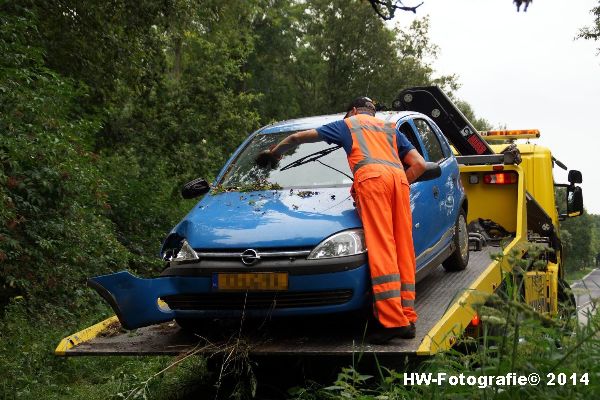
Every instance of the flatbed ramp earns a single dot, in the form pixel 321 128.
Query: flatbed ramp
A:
pixel 438 297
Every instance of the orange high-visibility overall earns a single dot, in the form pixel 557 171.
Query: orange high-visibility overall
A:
pixel 381 193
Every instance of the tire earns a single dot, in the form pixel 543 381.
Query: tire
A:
pixel 459 259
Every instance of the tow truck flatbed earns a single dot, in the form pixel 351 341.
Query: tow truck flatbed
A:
pixel 446 301
pixel 440 304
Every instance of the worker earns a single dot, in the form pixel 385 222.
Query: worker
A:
pixel 376 153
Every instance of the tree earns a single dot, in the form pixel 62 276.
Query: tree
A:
pixel 351 52
pixel 386 9
pixel 277 64
pixel 578 250
pixel 595 234
pixel 114 48
pixel 480 124
pixel 577 235
pixel 592 32
pixel 187 125
pixel 106 108
pixel 53 225
pixel 312 57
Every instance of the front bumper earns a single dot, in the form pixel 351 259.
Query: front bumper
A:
pixel 136 300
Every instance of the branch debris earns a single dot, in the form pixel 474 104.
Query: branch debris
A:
pixel 387 8
pixel 520 2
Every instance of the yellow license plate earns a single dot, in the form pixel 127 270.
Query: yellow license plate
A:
pixel 251 281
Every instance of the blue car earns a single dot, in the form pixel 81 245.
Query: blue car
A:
pixel 288 241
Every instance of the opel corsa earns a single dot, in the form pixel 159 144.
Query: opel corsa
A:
pixel 288 241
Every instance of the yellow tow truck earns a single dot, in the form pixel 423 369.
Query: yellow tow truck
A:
pixel 511 203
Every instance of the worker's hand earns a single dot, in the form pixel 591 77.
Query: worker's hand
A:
pixel 267 159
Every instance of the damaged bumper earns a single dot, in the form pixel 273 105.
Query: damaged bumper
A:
pixel 135 300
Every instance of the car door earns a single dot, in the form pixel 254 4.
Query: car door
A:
pixel 420 200
pixel 439 211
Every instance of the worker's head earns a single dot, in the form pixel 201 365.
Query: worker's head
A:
pixel 360 105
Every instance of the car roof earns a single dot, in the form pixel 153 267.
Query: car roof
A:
pixel 317 121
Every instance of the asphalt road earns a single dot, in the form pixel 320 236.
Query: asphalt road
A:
pixel 587 295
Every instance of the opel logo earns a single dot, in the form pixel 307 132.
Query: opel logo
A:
pixel 250 256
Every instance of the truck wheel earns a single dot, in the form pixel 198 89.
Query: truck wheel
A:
pixel 459 259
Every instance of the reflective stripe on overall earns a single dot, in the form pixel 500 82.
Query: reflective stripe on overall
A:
pixel 381 192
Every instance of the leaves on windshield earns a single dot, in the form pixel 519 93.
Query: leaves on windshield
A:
pixel 243 170
pixel 258 185
pixel 306 193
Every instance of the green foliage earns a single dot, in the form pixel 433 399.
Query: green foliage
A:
pixel 577 241
pixel 480 124
pixel 256 186
pixel 53 227
pixel 112 47
pixel 362 56
pixel 579 236
pixel 107 108
pixel 313 58
pixel 592 32
pixel 595 234
pixel 511 343
pixel 514 339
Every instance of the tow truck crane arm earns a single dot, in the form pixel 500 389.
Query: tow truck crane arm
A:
pixel 431 101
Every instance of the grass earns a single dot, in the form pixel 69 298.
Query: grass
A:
pixel 30 370
pixel 514 339
pixel 572 276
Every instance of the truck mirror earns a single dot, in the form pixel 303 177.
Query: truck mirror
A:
pixel 432 171
pixel 574 200
pixel 195 188
pixel 575 177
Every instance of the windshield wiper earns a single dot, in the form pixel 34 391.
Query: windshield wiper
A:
pixel 311 157
pixel 315 157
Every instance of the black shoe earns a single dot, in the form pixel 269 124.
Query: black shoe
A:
pixel 384 335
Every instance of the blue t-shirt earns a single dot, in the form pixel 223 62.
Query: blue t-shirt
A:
pixel 338 132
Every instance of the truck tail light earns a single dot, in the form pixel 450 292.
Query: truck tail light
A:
pixel 473 330
pixel 501 178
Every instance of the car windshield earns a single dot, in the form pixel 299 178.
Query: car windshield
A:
pixel 243 171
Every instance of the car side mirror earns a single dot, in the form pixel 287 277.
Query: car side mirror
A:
pixel 432 171
pixel 574 200
pixel 195 188
pixel 575 177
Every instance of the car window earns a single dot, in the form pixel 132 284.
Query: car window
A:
pixel 445 145
pixel 243 170
pixel 430 140
pixel 409 132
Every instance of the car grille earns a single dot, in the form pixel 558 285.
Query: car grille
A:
pixel 266 300
pixel 264 254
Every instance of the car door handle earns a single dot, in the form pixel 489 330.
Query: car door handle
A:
pixel 436 192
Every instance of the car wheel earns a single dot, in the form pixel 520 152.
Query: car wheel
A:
pixel 459 259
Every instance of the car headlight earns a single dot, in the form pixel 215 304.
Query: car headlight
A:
pixel 185 253
pixel 346 243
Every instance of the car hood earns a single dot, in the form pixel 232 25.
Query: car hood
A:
pixel 292 218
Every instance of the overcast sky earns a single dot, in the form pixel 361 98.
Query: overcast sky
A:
pixel 527 71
